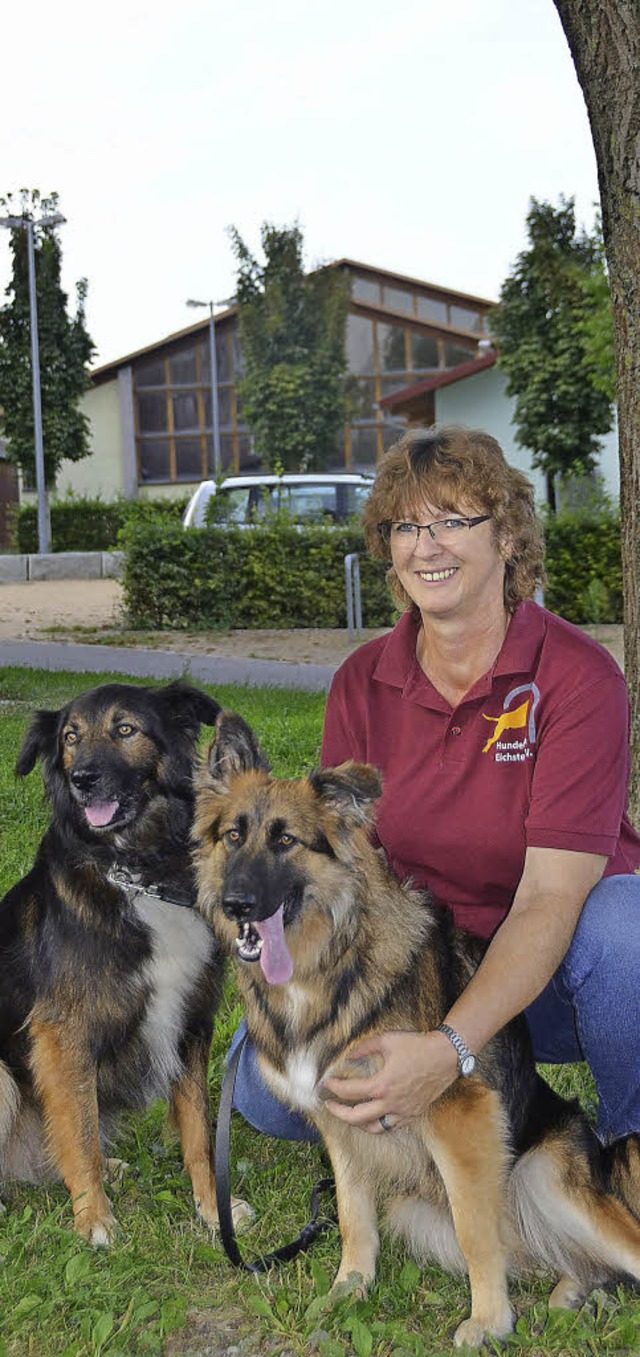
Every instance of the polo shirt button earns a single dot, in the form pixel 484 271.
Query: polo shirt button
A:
pixel 456 730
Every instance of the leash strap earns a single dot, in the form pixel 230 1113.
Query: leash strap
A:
pixel 307 1235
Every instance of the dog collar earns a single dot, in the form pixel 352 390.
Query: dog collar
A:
pixel 133 885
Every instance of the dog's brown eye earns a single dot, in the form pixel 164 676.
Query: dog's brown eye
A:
pixel 125 728
pixel 70 737
pixel 232 836
pixel 286 840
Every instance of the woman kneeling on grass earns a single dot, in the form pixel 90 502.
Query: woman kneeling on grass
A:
pixel 502 735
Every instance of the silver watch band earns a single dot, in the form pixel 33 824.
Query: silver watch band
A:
pixel 466 1058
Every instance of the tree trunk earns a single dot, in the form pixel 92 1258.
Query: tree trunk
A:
pixel 604 39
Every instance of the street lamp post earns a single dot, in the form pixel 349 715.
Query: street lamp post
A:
pixel 215 413
pixel 26 224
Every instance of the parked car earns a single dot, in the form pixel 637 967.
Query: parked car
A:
pixel 310 497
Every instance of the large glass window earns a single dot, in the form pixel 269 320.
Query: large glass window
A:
pixel 188 459
pixel 454 354
pixel 424 352
pixel 391 348
pixel 365 289
pixel 364 446
pixel 152 413
pixel 150 374
pixel 155 459
pixel 186 414
pixel 463 318
pixel 361 395
pixel 183 368
pixel 360 344
pixel 429 308
pixel 397 299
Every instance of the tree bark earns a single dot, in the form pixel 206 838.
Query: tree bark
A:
pixel 604 39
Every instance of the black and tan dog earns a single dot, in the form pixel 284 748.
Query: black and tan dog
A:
pixel 500 1174
pixel 109 979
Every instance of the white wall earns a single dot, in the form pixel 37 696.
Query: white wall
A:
pixel 481 402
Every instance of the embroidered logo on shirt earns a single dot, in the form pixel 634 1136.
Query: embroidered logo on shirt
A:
pixel 514 719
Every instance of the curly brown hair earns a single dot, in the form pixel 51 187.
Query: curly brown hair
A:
pixel 456 468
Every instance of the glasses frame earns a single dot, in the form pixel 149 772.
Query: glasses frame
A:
pixel 385 527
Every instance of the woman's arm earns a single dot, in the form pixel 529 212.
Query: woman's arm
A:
pixel 520 960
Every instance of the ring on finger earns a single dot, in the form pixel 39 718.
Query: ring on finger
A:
pixel 385 1123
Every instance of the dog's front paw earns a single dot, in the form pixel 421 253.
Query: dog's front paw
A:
pixel 242 1213
pixel 354 1284
pixel 96 1223
pixel 471 1333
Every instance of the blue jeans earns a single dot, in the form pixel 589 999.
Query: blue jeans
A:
pixel 590 1010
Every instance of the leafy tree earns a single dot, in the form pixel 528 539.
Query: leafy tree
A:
pixel 292 334
pixel 538 326
pixel 65 349
pixel 604 40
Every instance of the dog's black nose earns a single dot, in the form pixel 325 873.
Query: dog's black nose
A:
pixel 239 906
pixel 85 779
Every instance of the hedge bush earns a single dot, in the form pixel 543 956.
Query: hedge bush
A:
pixel 584 566
pixel 84 523
pixel 271 575
pixel 276 575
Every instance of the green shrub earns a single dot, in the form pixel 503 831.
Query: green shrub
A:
pixel 83 523
pixel 271 575
pixel 584 566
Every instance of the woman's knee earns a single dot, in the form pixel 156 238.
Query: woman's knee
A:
pixel 608 930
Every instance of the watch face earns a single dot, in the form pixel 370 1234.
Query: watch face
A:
pixel 467 1065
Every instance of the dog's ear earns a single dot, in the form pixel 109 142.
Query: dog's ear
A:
pixel 234 750
pixel 186 708
pixel 352 789
pixel 40 741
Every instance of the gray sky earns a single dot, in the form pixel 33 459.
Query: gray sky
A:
pixel 407 134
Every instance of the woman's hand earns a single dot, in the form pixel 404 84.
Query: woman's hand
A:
pixel 415 1068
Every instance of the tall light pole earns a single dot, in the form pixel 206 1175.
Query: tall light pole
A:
pixel 215 413
pixel 26 224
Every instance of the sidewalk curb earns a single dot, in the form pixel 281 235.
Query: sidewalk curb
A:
pixel 164 664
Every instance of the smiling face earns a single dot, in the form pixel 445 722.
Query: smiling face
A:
pixel 459 573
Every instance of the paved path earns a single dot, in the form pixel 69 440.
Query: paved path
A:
pixel 162 664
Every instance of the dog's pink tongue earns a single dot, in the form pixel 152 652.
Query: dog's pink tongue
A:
pixel 101 813
pixel 275 959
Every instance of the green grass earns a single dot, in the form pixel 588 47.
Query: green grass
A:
pixel 60 1299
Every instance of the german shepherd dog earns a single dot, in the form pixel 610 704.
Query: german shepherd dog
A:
pixel 109 979
pixel 500 1174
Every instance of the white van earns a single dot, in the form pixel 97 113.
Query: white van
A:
pixel 310 497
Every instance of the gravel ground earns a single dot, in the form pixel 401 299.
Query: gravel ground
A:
pixel 91 611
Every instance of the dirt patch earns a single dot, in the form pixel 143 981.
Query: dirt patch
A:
pixel 92 611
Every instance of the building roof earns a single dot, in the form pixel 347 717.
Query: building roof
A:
pixel 107 371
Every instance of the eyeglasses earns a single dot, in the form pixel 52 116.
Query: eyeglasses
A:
pixel 443 530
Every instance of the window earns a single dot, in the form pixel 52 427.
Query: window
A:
pixel 188 459
pixel 464 319
pixel 360 344
pixel 150 374
pixel 155 459
pixel 365 289
pixel 424 352
pixel 185 411
pixel 454 354
pixel 361 397
pixel 397 299
pixel 183 368
pixel 152 413
pixel 364 446
pixel 391 348
pixel 429 308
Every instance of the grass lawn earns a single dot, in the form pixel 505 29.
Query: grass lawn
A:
pixel 60 1299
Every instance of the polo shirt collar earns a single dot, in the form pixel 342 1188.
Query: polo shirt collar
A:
pixel 398 664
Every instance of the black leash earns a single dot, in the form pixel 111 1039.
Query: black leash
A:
pixel 223 1189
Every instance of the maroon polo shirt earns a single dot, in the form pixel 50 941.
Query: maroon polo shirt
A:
pixel 536 754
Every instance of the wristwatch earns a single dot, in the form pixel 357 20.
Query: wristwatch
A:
pixel 466 1058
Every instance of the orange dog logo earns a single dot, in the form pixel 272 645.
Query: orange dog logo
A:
pixel 519 719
